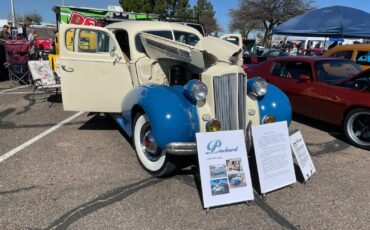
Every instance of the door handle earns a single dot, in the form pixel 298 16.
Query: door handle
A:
pixel 116 59
pixel 65 68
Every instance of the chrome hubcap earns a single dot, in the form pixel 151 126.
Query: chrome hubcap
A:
pixel 359 127
pixel 148 143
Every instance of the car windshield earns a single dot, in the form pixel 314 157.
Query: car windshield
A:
pixel 334 71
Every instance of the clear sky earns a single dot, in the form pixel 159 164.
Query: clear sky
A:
pixel 43 7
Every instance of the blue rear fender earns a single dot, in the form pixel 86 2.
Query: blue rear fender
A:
pixel 172 116
pixel 274 102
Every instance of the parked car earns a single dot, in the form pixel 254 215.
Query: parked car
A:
pixel 359 53
pixel 163 82
pixel 312 52
pixel 328 89
pixel 218 171
pixel 236 180
pixel 272 53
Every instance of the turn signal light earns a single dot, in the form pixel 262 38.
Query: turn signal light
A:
pixel 213 126
pixel 268 119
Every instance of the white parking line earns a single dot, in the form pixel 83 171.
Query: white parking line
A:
pixel 38 137
pixel 8 90
pixel 23 92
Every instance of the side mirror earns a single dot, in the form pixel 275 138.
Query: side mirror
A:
pixel 304 78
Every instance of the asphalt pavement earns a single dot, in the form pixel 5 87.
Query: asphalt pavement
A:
pixel 83 174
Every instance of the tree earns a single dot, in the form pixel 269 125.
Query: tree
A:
pixel 268 12
pixel 33 18
pixel 183 9
pixel 244 27
pixel 204 11
pixel 28 19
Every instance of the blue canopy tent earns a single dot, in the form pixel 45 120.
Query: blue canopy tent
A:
pixel 335 21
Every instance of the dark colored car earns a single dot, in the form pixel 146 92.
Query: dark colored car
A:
pixel 312 52
pixel 327 89
pixel 272 53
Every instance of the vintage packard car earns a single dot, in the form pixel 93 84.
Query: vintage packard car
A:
pixel 163 82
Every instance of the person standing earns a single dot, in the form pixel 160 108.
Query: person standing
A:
pixel 4 34
pixel 31 36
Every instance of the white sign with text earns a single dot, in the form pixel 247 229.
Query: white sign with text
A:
pixel 224 168
pixel 302 155
pixel 273 156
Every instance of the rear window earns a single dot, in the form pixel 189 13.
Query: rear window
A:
pixel 161 33
pixel 346 54
pixel 363 58
pixel 334 71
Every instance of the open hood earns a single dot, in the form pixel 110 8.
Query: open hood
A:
pixel 221 49
pixel 162 48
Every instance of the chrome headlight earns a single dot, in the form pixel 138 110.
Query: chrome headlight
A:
pixel 195 90
pixel 259 87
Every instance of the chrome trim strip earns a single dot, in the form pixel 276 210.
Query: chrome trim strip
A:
pixel 181 148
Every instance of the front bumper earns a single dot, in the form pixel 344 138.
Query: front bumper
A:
pixel 190 148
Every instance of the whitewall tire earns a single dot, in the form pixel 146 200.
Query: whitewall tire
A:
pixel 150 156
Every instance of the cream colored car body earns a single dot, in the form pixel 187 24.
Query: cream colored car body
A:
pixel 98 82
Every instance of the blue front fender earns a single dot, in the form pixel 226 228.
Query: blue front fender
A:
pixel 173 118
pixel 274 102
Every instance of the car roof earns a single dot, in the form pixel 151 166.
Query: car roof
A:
pixel 303 58
pixel 133 27
pixel 352 46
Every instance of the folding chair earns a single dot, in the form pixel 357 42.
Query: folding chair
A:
pixel 43 78
pixel 17 55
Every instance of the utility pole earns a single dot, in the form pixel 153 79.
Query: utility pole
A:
pixel 13 12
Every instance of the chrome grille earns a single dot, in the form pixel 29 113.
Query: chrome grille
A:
pixel 229 93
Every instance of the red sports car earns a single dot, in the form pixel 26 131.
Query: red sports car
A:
pixel 327 89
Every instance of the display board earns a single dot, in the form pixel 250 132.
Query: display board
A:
pixel 40 70
pixel 273 156
pixel 224 168
pixel 302 155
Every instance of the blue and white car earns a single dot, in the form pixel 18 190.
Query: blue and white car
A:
pixel 163 82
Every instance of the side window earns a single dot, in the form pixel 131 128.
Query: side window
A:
pixel 234 40
pixel 70 34
pixel 185 37
pixel 277 68
pixel 296 69
pixel 346 54
pixel 363 58
pixel 93 41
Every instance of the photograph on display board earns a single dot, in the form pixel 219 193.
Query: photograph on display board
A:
pixel 217 171
pixel 234 165
pixel 219 186
pixel 237 180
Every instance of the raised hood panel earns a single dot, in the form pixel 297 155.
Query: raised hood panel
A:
pixel 222 50
pixel 162 48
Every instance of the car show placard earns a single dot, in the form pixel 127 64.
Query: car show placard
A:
pixel 302 155
pixel 224 168
pixel 273 156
